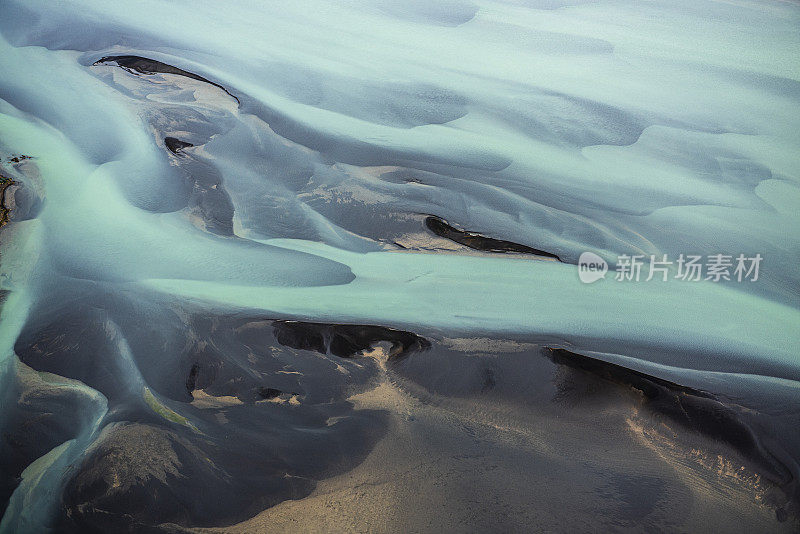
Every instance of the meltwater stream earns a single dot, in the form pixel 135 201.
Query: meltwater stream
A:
pixel 188 178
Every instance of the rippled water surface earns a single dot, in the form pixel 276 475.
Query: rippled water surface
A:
pixel 277 266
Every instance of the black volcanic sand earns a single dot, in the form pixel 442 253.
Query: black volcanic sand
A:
pixel 197 185
pixel 698 411
pixel 43 412
pixel 143 65
pixel 242 413
pixel 480 242
pixel 344 340
pixel 5 183
pixel 240 454
pixel 175 145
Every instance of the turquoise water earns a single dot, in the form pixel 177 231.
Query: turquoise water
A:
pixel 612 127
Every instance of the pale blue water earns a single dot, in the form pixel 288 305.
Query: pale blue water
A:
pixel 614 127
